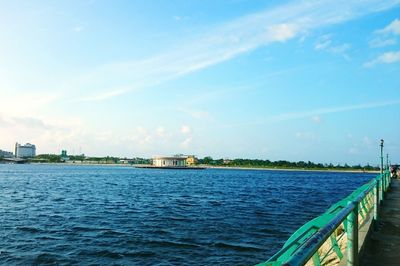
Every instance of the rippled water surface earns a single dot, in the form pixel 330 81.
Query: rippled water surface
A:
pixel 52 214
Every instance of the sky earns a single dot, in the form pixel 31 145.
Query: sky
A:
pixel 277 80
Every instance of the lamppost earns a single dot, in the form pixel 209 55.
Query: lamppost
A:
pixel 382 185
pixel 387 161
pixel 388 176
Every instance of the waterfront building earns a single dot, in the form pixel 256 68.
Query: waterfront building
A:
pixel 6 154
pixel 25 151
pixel 191 160
pixel 227 161
pixel 163 161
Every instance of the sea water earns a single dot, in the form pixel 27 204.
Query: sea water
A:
pixel 108 215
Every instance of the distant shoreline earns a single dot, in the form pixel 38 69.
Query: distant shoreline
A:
pixel 226 167
pixel 294 169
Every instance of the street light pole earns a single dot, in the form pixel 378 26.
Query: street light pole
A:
pixel 382 185
pixel 387 161
pixel 388 177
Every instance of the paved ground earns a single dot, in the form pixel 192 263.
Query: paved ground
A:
pixel 383 247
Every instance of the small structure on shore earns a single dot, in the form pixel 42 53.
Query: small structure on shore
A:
pixel 6 154
pixel 161 161
pixel 173 162
pixel 191 160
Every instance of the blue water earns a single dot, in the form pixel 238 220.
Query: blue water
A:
pixel 103 215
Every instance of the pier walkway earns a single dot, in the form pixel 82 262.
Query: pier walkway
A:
pixel 383 246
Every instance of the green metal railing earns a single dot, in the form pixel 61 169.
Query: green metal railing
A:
pixel 330 237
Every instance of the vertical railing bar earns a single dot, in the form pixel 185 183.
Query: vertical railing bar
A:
pixel 336 247
pixel 352 237
pixel 316 259
pixel 376 205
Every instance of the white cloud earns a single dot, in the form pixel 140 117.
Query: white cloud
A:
pixel 104 96
pixel 178 18
pixel 186 129
pixel 229 40
pixel 360 145
pixel 385 58
pixel 385 35
pixel 25 123
pixel 325 43
pixel 161 132
pixel 367 141
pixel 392 28
pixel 381 42
pixel 316 119
pixel 29 103
pixel 353 151
pixel 197 114
pixel 282 32
pixel 340 49
pixel 78 28
pixel 46 134
pixel 186 143
pixel 316 112
pixel 305 135
pixel 297 115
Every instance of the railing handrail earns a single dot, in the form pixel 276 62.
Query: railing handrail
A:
pixel 306 241
pixel 307 250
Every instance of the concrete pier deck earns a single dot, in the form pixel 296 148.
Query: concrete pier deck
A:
pixel 383 246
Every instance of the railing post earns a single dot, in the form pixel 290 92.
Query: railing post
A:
pixel 376 205
pixel 352 237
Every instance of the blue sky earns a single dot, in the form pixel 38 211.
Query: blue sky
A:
pixel 291 80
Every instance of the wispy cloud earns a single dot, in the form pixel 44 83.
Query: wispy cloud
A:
pixel 231 39
pixel 385 58
pixel 78 28
pixel 185 129
pixel 28 103
pixel 392 28
pixel 26 122
pixel 316 119
pixel 196 114
pixel 104 95
pixel 316 113
pixel 305 135
pixel 386 36
pixel 382 42
pixel 332 110
pixel 325 43
pixel 47 134
pixel 186 143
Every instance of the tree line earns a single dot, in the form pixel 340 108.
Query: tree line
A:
pixel 258 163
pixel 209 161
